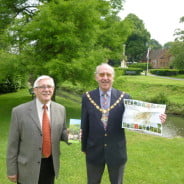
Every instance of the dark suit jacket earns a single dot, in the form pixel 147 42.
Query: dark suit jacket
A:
pixel 103 146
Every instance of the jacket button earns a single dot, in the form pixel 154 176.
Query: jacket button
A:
pixel 105 145
pixel 105 135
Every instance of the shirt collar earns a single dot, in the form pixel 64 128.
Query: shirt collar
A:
pixel 107 92
pixel 40 105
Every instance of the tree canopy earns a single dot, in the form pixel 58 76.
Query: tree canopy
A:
pixel 137 42
pixel 67 39
pixel 154 44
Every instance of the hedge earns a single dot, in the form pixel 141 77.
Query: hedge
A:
pixel 127 71
pixel 164 72
pixel 132 71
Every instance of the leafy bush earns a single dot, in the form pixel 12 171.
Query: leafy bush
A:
pixel 181 71
pixel 9 85
pixel 12 84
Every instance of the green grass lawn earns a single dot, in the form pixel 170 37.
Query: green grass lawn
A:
pixel 179 76
pixel 151 159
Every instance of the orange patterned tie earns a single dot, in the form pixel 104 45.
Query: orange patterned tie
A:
pixel 46 145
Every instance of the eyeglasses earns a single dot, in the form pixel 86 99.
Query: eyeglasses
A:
pixel 45 87
pixel 103 74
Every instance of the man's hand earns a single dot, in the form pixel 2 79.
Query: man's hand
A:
pixel 163 118
pixel 13 178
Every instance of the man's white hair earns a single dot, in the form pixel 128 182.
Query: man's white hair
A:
pixel 104 64
pixel 36 83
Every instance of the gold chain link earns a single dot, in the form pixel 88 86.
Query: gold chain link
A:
pixel 98 107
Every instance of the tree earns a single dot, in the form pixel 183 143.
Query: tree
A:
pixel 64 39
pixel 136 44
pixel 61 40
pixel 154 44
pixel 12 9
pixel 114 34
pixel 116 5
pixel 177 48
pixel 167 45
pixel 11 73
pixel 10 12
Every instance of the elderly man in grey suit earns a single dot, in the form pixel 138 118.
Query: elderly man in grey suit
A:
pixel 103 139
pixel 34 138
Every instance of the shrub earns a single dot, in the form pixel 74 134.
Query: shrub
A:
pixel 12 84
pixel 9 85
pixel 164 72
pixel 181 71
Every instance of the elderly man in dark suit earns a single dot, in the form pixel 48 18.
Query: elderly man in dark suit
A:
pixel 103 139
pixel 34 139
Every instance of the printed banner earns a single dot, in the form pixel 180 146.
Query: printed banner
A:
pixel 143 116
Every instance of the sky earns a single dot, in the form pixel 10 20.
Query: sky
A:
pixel 160 17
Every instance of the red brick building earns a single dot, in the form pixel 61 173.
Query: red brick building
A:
pixel 160 58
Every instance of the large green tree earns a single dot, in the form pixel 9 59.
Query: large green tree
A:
pixel 67 39
pixel 113 36
pixel 137 42
pixel 61 39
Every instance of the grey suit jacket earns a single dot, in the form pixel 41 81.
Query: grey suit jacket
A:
pixel 103 146
pixel 24 151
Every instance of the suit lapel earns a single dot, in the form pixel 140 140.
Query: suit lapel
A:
pixel 95 95
pixel 52 112
pixel 34 114
pixel 114 97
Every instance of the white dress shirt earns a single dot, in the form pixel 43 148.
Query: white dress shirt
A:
pixel 39 107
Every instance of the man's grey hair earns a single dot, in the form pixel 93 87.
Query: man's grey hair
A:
pixel 104 64
pixel 36 83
